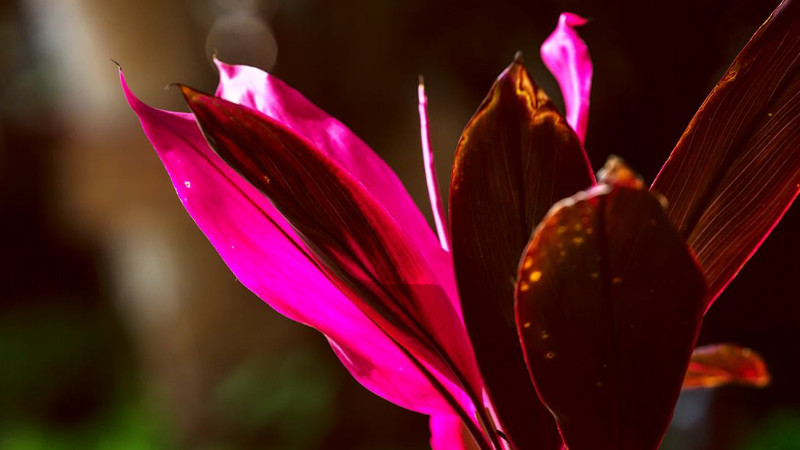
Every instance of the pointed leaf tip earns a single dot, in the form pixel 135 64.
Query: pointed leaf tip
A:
pixel 189 93
pixel 616 172
pixel 573 20
pixel 515 159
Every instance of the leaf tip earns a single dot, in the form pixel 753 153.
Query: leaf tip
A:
pixel 190 94
pixel 617 173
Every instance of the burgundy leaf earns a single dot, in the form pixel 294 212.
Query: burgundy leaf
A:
pixel 609 304
pixel 264 92
pixel 357 243
pixel 723 364
pixel 736 169
pixel 516 157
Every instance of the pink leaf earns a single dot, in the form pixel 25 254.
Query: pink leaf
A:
pixel 264 92
pixel 449 433
pixel 567 57
pixel 268 257
pixel 356 243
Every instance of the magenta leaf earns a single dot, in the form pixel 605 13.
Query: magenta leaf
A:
pixel 736 169
pixel 355 241
pixel 268 257
pixel 609 304
pixel 449 433
pixel 516 158
pixel 264 92
pixel 567 57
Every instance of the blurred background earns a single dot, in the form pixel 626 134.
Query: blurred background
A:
pixel 120 328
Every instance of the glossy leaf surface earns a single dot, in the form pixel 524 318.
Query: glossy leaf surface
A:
pixel 449 433
pixel 357 244
pixel 609 304
pixel 270 259
pixel 736 169
pixel 252 87
pixel 516 157
pixel 724 364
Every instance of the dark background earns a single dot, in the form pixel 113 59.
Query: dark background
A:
pixel 120 327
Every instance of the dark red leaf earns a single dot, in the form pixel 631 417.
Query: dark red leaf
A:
pixel 609 304
pixel 736 169
pixel 724 364
pixel 353 238
pixel 516 157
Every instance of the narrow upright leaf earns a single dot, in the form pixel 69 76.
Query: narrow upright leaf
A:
pixel 609 304
pixel 736 169
pixel 516 157
pixel 567 57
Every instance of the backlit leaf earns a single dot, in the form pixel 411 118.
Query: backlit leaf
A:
pixel 609 304
pixel 356 243
pixel 516 157
pixel 723 364
pixel 736 169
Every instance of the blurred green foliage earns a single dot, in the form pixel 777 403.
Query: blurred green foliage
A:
pixel 290 397
pixel 69 381
pixel 779 431
pixel 66 383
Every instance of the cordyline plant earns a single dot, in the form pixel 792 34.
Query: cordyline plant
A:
pixel 556 310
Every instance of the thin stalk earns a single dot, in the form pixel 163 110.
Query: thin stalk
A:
pixel 430 170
